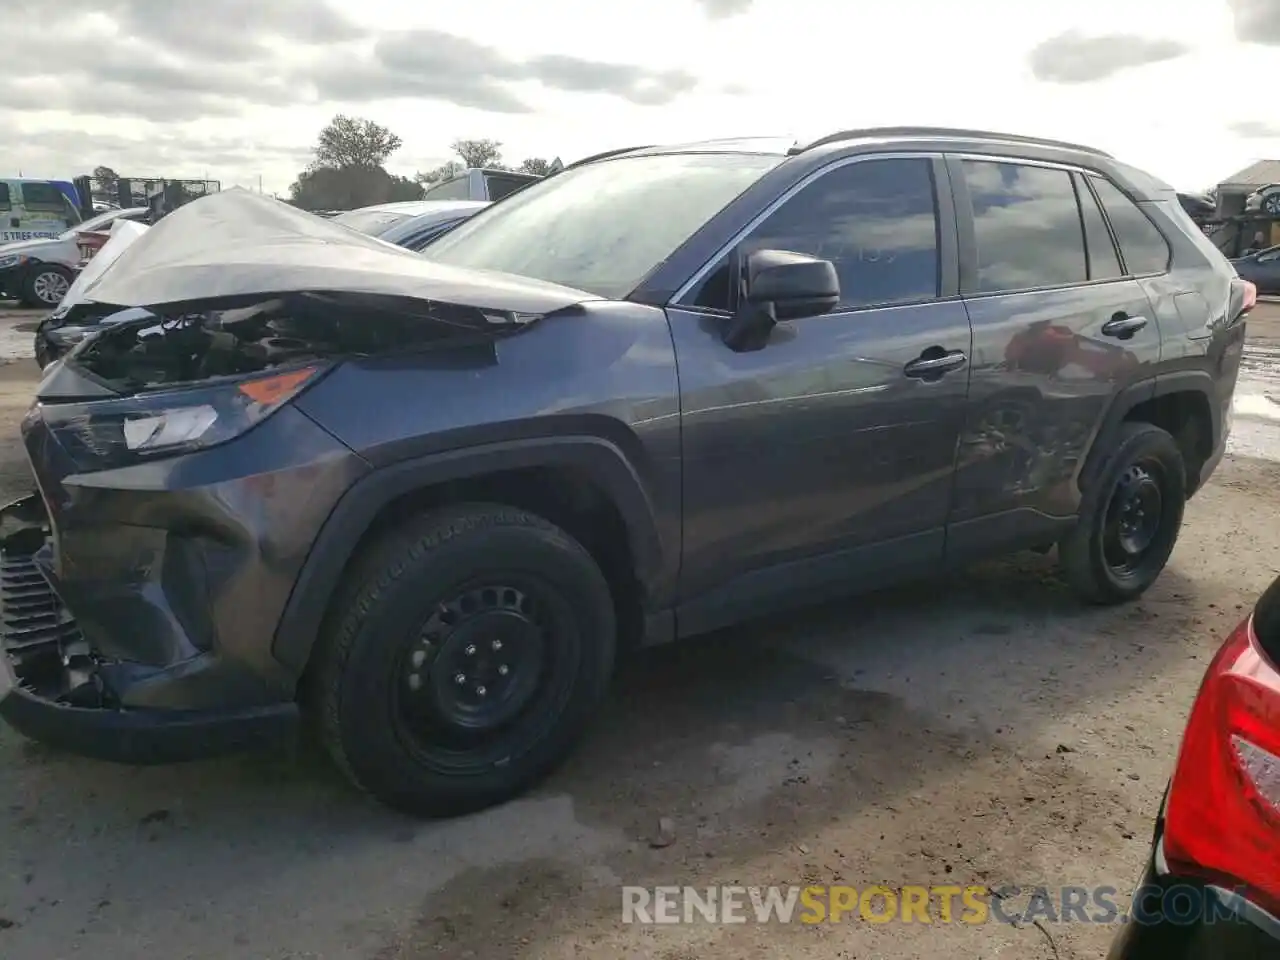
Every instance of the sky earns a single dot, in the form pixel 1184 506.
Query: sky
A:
pixel 237 90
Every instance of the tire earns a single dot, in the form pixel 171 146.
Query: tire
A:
pixel 1143 453
pixel 418 605
pixel 45 285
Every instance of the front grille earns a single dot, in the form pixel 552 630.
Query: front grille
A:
pixel 34 621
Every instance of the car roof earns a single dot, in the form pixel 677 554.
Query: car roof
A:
pixel 1139 184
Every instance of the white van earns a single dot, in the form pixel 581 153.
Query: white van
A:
pixel 36 209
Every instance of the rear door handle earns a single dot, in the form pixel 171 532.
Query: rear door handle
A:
pixel 1123 326
pixel 931 365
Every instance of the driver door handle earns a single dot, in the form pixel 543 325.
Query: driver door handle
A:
pixel 936 366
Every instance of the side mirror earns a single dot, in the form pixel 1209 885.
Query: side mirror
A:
pixel 780 285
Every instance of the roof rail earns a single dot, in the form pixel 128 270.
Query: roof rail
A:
pixel 946 132
pixel 605 155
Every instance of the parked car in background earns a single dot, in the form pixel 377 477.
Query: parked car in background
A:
pixel 76 317
pixel 480 184
pixel 1198 207
pixel 1211 890
pixel 1261 269
pixel 39 272
pixel 415 232
pixel 36 209
pixel 380 219
pixel 425 498
pixel 1265 199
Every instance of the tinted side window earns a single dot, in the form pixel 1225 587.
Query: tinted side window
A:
pixel 44 197
pixel 1104 262
pixel 1027 226
pixel 5 203
pixel 1144 247
pixel 875 220
pixel 500 186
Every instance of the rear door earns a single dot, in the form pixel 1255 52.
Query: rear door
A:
pixel 1058 329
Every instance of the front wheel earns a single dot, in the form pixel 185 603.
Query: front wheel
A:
pixel 464 660
pixel 45 285
pixel 1129 520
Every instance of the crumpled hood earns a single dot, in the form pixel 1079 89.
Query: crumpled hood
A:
pixel 237 244
pixel 30 248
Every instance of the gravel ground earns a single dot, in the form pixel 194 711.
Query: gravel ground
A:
pixel 979 730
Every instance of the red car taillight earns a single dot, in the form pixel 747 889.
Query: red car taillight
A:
pixel 1250 296
pixel 1222 815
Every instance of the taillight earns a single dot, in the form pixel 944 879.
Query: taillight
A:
pixel 1250 296
pixel 1222 816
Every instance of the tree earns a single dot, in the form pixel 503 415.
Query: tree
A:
pixel 354 142
pixel 442 172
pixel 346 188
pixel 479 153
pixel 538 166
pixel 105 176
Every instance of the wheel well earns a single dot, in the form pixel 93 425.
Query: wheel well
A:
pixel 1186 417
pixel 565 496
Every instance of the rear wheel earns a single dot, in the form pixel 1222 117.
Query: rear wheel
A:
pixel 45 285
pixel 464 661
pixel 1129 520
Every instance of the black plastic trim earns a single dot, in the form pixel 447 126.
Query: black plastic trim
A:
pixel 356 511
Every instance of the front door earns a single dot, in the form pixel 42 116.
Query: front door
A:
pixel 823 462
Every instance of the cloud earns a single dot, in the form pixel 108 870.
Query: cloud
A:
pixel 723 9
pixel 1256 129
pixel 1073 57
pixel 428 63
pixel 1257 21
pixel 162 61
pixel 155 154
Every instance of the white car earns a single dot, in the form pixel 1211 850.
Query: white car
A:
pixel 39 272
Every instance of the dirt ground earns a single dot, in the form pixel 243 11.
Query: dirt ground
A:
pixel 980 730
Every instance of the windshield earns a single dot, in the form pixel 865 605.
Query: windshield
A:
pixel 602 227
pixel 370 222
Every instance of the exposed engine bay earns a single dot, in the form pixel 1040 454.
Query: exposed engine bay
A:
pixel 164 349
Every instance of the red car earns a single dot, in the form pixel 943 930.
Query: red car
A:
pixel 1212 886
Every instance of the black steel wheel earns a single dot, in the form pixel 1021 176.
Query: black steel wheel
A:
pixel 1130 518
pixel 463 660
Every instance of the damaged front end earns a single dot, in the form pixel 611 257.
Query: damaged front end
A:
pixel 180 490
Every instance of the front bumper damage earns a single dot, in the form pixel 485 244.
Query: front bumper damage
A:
pixel 56 689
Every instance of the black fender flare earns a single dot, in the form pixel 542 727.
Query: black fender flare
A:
pixel 357 509
pixel 1181 381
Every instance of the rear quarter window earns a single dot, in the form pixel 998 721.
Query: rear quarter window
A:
pixel 1143 246
pixel 5 203
pixel 502 186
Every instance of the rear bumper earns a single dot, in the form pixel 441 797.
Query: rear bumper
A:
pixel 54 688
pixel 1177 918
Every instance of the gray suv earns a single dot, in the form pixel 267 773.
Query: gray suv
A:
pixel 422 500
